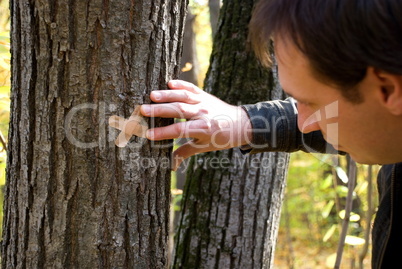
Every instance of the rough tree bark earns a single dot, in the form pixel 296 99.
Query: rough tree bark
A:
pixel 231 205
pixel 74 200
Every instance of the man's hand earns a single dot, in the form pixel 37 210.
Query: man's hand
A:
pixel 211 123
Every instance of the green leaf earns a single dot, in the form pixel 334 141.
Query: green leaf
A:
pixel 353 216
pixel 342 174
pixel 362 187
pixel 326 183
pixel 329 233
pixel 327 209
pixel 342 190
pixel 2 172
pixel 354 240
pixel 331 260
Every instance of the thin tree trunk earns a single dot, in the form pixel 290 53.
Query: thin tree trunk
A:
pixel 352 169
pixel 73 199
pixel 231 205
pixel 214 8
pixel 369 216
pixel 190 65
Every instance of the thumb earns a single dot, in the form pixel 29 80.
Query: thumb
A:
pixel 185 151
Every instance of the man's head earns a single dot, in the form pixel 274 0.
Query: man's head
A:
pixel 343 59
pixel 341 38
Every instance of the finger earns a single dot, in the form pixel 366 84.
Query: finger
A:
pixel 170 110
pixel 187 150
pixel 169 96
pixel 181 84
pixel 185 129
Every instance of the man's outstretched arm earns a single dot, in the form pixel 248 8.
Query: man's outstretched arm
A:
pixel 274 128
pixel 215 125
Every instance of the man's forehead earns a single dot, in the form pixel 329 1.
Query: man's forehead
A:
pixel 286 52
pixel 294 69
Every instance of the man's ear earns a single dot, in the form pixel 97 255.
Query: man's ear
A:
pixel 390 86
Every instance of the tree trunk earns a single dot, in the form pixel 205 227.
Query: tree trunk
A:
pixel 73 199
pixel 231 205
pixel 189 60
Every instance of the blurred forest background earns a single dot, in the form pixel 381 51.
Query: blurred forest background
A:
pixel 316 188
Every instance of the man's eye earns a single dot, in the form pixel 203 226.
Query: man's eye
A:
pixel 304 103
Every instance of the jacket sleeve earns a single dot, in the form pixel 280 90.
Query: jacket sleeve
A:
pixel 275 128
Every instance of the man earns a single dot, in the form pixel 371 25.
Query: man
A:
pixel 342 61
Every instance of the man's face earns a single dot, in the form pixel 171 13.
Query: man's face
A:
pixel 366 131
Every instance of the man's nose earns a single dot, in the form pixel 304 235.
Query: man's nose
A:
pixel 308 120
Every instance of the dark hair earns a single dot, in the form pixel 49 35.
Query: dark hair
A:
pixel 340 38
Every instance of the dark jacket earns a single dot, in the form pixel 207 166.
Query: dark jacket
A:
pixel 275 129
